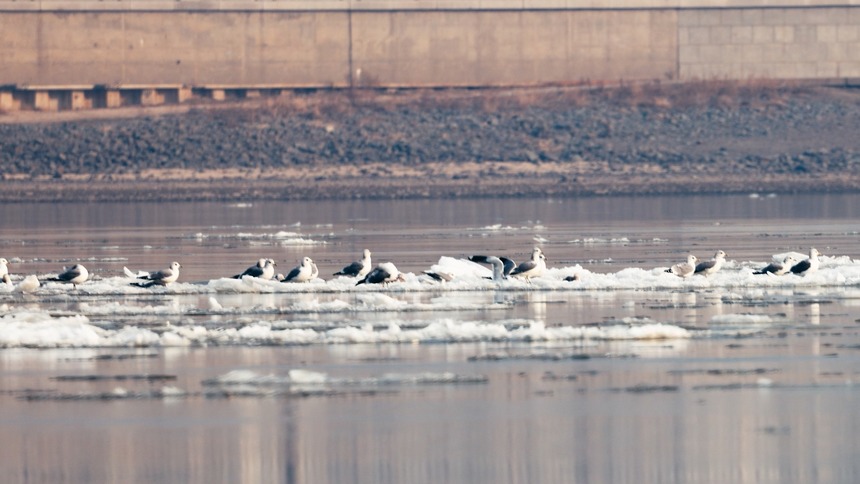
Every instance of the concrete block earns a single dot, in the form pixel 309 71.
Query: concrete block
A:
pixel 684 35
pixel 732 17
pixel 774 17
pixel 752 16
pixel 762 34
pixel 698 35
pixel 772 52
pixel 80 101
pixel 732 53
pixel 853 51
pixel 709 18
pixel 688 54
pixel 795 16
pixel 184 94
pixel 751 54
pixel 113 99
pixel 151 97
pixel 848 52
pixel 804 34
pixel 821 16
pixel 43 101
pixel 849 69
pixel 742 35
pixel 7 102
pixel 826 33
pixel 720 34
pixel 848 33
pixel 688 18
pixel 827 70
pixel 784 34
pixel 710 54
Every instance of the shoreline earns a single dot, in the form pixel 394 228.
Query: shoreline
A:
pixel 372 188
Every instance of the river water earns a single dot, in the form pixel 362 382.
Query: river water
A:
pixel 627 374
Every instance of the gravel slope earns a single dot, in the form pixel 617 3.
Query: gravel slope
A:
pixel 688 138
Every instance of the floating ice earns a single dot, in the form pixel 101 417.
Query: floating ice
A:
pixel 469 276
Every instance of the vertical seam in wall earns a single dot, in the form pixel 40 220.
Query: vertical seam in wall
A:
pixel 677 45
pixel 349 77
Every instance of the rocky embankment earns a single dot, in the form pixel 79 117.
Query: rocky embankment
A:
pixel 687 138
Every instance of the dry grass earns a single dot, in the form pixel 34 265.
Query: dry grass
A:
pixel 329 104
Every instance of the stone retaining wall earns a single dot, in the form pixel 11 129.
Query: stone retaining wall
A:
pixel 79 54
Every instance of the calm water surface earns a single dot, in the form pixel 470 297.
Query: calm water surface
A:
pixel 767 399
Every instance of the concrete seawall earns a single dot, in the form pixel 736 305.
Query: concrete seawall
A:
pixel 58 54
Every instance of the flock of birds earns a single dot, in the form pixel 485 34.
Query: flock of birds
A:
pixel 306 271
pixel 789 265
pixel 386 272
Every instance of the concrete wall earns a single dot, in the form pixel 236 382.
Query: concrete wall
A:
pixel 512 47
pixel 792 43
pixel 193 48
pixel 238 44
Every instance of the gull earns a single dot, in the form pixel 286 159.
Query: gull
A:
pixel 157 278
pixel 305 272
pixel 684 269
pixel 359 268
pixel 384 274
pixel 440 276
pixel 77 274
pixel 531 268
pixel 708 267
pixel 502 266
pixel 778 268
pixel 3 269
pixel 264 269
pixel 807 266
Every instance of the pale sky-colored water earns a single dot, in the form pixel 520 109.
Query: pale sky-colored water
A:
pixel 628 375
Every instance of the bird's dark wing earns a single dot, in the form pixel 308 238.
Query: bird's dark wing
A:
pixel 703 266
pixel 524 267
pixel 771 268
pixel 253 271
pixel 801 267
pixel 292 275
pixel 69 274
pixel 509 265
pixel 350 270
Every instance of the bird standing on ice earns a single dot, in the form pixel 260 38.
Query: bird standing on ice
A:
pixel 4 270
pixel 157 278
pixel 708 267
pixel 263 269
pixel 531 268
pixel 807 266
pixel 384 274
pixel 684 269
pixel 77 274
pixel 359 268
pixel 305 272
pixel 778 268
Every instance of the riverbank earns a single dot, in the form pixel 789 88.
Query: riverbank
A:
pixel 644 140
